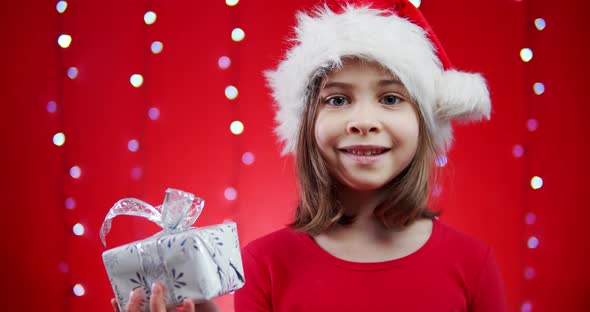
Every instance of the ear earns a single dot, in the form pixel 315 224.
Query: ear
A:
pixel 462 96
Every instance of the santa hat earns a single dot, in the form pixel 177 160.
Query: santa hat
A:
pixel 396 35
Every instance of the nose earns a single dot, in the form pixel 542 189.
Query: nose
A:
pixel 363 120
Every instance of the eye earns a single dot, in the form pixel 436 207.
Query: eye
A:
pixel 337 100
pixel 390 99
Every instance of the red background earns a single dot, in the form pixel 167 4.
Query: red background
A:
pixel 486 191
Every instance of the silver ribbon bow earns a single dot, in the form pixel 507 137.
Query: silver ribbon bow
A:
pixel 178 212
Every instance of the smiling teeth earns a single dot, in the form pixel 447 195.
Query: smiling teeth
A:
pixel 365 153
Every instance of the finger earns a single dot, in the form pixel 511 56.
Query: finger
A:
pixel 188 305
pixel 134 301
pixel 157 303
pixel 115 305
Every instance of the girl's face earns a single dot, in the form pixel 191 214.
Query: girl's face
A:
pixel 366 127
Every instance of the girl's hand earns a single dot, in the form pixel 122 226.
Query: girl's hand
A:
pixel 157 303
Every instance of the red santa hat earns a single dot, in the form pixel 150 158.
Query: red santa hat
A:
pixel 393 33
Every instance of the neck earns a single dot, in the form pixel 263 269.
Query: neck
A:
pixel 361 205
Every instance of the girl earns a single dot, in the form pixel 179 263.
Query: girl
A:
pixel 364 101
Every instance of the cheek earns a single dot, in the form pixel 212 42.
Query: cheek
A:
pixel 324 132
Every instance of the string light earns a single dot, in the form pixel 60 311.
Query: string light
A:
pixel 526 55
pixel 238 34
pixel 231 2
pixel 231 92
pixel 533 242
pixel 149 17
pixel 156 47
pixel 78 229
pixel 539 88
pixel 70 203
pixel 64 40
pixel 136 80
pixel 236 127
pixel 517 151
pixel 532 124
pixel 540 24
pixel 153 113
pixel 536 183
pixel 230 193
pixel 133 145
pixel 75 172
pixel 61 6
pixel 224 62
pixel 73 72
pixel 59 139
pixel 51 106
pixel 248 158
pixel 79 290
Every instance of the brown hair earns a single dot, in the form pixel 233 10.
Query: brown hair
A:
pixel 319 209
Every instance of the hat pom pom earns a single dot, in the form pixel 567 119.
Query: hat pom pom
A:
pixel 462 96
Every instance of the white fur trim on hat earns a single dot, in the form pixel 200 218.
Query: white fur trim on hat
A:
pixel 324 38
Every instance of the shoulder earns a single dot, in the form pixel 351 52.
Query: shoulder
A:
pixel 275 244
pixel 461 243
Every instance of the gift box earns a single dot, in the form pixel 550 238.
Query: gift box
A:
pixel 195 263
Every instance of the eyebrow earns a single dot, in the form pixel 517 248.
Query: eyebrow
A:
pixel 344 85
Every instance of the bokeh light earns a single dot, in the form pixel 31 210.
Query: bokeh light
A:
pixel 540 23
pixel 70 203
pixel 64 40
pixel 136 80
pixel 149 17
pixel 75 172
pixel 79 290
pixel 136 173
pixel 230 193
pixel 539 88
pixel 59 139
pixel 236 127
pixel 231 2
pixel 51 106
pixel 238 34
pixel 533 242
pixel 536 183
pixel 153 113
pixel 441 160
pixel 248 158
pixel 133 145
pixel 529 273
pixel 224 62
pixel 78 229
pixel 61 6
pixel 530 218
pixel 532 124
pixel 518 151
pixel 63 267
pixel 527 306
pixel 231 92
pixel 157 47
pixel 72 72
pixel 526 54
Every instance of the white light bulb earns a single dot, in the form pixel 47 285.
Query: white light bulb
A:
pixel 59 139
pixel 136 80
pixel 526 54
pixel 64 40
pixel 236 127
pixel 149 17
pixel 238 34
pixel 231 92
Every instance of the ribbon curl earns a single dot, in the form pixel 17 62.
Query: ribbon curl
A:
pixel 178 212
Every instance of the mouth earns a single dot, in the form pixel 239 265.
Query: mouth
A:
pixel 364 150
